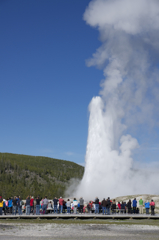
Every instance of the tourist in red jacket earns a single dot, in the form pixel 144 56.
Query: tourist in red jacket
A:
pixel 61 201
pixel 32 205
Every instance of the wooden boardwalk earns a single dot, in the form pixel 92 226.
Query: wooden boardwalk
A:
pixel 81 216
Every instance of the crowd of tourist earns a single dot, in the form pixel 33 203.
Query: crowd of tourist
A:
pixel 42 206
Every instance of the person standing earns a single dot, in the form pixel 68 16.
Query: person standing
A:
pixel 123 207
pixel 78 207
pixel 17 199
pixel 75 203
pixel 147 207
pixel 4 207
pixel 89 207
pixel 129 206
pixel 119 206
pixel 108 205
pixel 81 202
pixel 19 206
pixel 38 206
pixel 103 203
pixel 96 205
pixel 50 207
pixel 10 205
pixel 55 201
pixel 6 204
pixel 14 206
pixel 61 201
pixel 28 206
pixel 152 204
pixel 45 203
pixel 114 206
pixel 141 206
pixel 32 205
pixel 1 205
pixel 134 204
pixel 68 206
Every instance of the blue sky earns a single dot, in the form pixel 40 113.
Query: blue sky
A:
pixel 46 86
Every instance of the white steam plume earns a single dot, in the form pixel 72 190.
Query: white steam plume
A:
pixel 129 56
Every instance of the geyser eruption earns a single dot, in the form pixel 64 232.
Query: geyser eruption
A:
pixel 129 54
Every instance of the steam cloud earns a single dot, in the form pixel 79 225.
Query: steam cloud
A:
pixel 129 55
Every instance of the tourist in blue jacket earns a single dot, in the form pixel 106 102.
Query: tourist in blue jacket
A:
pixel 134 204
pixel 147 207
pixel 10 205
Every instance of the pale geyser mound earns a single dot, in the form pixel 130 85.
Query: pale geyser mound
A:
pixel 129 57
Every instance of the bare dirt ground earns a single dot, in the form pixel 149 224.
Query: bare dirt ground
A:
pixel 18 231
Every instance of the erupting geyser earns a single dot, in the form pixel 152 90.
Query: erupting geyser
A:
pixel 129 55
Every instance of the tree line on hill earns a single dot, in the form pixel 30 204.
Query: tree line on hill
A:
pixel 23 175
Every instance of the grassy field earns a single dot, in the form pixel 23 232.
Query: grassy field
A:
pixel 118 222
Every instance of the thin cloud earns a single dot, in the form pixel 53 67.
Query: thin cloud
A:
pixel 69 153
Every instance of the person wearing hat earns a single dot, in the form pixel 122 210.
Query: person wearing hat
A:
pixel 141 206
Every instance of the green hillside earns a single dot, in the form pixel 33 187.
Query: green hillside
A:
pixel 31 175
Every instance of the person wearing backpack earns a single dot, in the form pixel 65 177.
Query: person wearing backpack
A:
pixel 19 206
pixel 152 204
